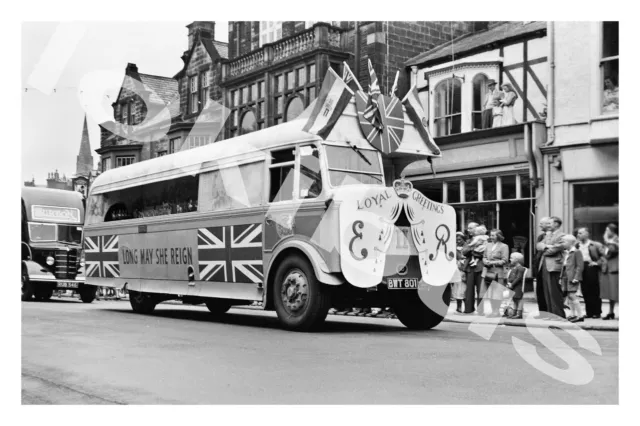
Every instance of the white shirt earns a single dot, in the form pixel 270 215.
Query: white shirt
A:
pixel 584 248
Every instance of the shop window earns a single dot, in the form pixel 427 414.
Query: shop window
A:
pixel 432 190
pixel 453 192
pixel 248 123
pixel 525 187
pixel 448 107
pixel 489 189
pixel 609 67
pixel 594 206
pixel 479 92
pixel 294 108
pixel 508 187
pixel 471 190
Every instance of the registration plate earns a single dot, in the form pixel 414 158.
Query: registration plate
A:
pixel 67 284
pixel 402 283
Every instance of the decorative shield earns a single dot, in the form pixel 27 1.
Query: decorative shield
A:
pixel 389 138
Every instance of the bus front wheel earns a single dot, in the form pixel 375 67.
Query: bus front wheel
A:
pixel 301 301
pixel 43 292
pixel 141 303
pixel 27 286
pixel 414 314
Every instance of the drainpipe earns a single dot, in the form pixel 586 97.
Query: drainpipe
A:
pixel 551 100
pixel 356 51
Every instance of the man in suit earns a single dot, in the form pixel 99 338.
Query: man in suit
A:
pixel 542 304
pixel 474 275
pixel 550 265
pixel 489 103
pixel 591 253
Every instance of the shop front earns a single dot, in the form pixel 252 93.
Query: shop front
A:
pixel 490 177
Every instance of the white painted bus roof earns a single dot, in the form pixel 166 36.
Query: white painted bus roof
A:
pixel 248 148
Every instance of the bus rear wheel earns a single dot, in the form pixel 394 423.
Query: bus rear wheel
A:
pixel 414 314
pixel 217 307
pixel 27 286
pixel 141 303
pixel 301 301
pixel 88 293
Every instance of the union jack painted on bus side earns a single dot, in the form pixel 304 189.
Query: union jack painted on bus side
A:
pixel 101 256
pixel 231 253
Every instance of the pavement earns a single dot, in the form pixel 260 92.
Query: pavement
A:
pixel 103 353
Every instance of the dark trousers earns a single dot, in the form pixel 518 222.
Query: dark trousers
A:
pixel 542 302
pixel 553 292
pixel 474 286
pixel 591 290
pixel 487 118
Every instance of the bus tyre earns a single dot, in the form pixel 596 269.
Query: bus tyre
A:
pixel 88 293
pixel 27 286
pixel 301 301
pixel 43 292
pixel 415 315
pixel 217 307
pixel 141 303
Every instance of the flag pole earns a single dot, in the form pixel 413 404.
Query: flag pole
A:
pixel 395 84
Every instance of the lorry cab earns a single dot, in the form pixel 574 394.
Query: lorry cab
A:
pixel 52 258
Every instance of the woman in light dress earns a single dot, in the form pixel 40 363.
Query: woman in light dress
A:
pixel 508 100
pixel 611 100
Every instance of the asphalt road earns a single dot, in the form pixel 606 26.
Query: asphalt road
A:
pixel 103 353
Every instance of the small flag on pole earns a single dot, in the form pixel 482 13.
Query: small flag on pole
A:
pixel 333 98
pixel 349 78
pixel 394 88
pixel 414 109
pixel 372 113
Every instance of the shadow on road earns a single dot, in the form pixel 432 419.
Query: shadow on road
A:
pixel 54 301
pixel 249 319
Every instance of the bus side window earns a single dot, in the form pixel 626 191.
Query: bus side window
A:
pixel 310 178
pixel 281 175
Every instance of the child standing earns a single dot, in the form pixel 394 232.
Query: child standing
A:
pixel 571 276
pixel 515 280
pixel 459 277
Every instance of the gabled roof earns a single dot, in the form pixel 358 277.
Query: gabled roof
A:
pixel 471 43
pixel 215 49
pixel 163 89
pixel 221 47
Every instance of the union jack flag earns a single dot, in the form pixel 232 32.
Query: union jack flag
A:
pixel 388 138
pixel 101 256
pixel 231 253
pixel 372 112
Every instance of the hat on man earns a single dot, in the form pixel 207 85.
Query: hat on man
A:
pixel 491 82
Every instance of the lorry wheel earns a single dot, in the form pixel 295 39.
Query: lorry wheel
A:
pixel 43 292
pixel 414 314
pixel 88 293
pixel 141 303
pixel 217 307
pixel 27 286
pixel 301 301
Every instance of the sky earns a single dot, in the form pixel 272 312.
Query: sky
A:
pixel 52 122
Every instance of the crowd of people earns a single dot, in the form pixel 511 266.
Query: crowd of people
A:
pixel 565 264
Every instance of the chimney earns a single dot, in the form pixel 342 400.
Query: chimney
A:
pixel 131 68
pixel 202 26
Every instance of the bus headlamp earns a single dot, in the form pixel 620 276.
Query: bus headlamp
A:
pixel 50 261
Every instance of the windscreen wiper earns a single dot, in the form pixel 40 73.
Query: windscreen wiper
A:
pixel 355 148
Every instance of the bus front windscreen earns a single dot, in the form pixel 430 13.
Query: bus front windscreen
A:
pixel 42 231
pixel 70 233
pixel 348 166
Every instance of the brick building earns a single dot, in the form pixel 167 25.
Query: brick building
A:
pixel 275 69
pixel 154 114
pixel 267 74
